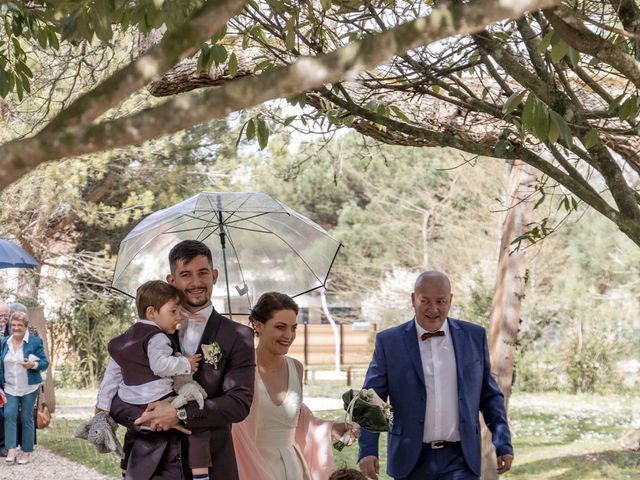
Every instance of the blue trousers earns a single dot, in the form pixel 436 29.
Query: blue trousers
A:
pixel 441 464
pixel 24 405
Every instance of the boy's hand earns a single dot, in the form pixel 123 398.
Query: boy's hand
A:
pixel 193 360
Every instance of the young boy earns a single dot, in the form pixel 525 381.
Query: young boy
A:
pixel 147 361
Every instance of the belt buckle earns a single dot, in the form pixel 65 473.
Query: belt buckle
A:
pixel 437 444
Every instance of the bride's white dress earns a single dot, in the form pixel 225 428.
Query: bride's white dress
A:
pixel 275 436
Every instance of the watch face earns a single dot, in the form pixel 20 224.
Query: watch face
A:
pixel 182 414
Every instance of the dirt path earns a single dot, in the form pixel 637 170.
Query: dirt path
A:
pixel 46 465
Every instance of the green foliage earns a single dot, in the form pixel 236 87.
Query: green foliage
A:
pixel 29 28
pixel 376 199
pixel 590 367
pixel 28 302
pixel 88 329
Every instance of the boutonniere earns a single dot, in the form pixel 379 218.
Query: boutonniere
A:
pixel 212 354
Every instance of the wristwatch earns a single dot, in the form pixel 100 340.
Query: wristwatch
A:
pixel 182 414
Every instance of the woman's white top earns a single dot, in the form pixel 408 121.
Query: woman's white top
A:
pixel 15 375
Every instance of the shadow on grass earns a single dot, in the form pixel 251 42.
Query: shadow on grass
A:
pixel 609 464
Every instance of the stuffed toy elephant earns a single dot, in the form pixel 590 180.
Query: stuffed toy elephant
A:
pixel 187 389
pixel 101 432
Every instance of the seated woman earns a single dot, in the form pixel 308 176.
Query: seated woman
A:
pixel 281 439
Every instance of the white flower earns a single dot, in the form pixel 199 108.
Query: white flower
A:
pixel 212 354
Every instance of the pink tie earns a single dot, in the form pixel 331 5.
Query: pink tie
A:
pixel 193 317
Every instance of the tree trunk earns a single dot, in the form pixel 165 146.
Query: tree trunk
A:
pixel 36 318
pixel 510 284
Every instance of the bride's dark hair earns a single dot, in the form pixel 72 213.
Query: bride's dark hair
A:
pixel 268 304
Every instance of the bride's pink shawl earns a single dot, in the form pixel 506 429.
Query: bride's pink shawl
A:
pixel 313 436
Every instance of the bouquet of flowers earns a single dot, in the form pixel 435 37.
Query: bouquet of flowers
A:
pixel 367 410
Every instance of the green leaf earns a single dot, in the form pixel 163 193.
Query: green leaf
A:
pixel 300 99
pixel 615 103
pixel 574 57
pixel 219 54
pixel 627 108
pixel 204 60
pixel 513 101
pixel 326 4
pixel 251 129
pixel 503 147
pixel 554 132
pixel 22 68
pixel 4 83
pixel 220 34
pixel 590 139
pixel 42 38
pixel 540 120
pixel 233 64
pixel 264 65
pixel 288 120
pixel 53 39
pixel 559 124
pixel 559 50
pixel 545 42
pixel 290 38
pixel 399 113
pixel 19 90
pixel 263 133
pixel 527 112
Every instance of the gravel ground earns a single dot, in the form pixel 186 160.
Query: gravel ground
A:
pixel 48 466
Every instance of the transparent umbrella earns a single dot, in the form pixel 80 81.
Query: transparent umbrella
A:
pixel 258 245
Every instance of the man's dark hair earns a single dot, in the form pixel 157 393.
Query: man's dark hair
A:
pixel 268 304
pixel 186 251
pixel 155 293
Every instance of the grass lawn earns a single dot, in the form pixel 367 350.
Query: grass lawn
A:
pixel 558 437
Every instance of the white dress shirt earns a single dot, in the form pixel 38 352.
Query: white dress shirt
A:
pixel 16 382
pixel 439 367
pixel 191 331
pixel 163 363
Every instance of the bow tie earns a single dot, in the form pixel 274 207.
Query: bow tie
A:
pixel 196 317
pixel 426 335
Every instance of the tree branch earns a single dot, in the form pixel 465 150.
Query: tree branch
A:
pixel 307 73
pixel 573 31
pixel 175 46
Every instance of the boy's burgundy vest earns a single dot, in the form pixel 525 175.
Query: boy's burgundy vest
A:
pixel 129 351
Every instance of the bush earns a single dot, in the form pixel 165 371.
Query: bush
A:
pixel 590 367
pixel 66 376
pixel 537 371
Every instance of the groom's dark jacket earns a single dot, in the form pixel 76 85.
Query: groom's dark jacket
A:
pixel 229 387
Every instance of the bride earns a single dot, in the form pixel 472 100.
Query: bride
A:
pixel 281 439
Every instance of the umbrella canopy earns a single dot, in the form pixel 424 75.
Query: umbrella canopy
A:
pixel 258 245
pixel 14 256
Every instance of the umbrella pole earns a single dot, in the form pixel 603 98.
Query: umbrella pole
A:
pixel 334 327
pixel 223 243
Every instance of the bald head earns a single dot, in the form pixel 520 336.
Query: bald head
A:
pixel 432 276
pixel 4 316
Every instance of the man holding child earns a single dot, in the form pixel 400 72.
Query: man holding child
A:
pixel 226 373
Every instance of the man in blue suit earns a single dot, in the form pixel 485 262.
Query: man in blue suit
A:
pixel 436 374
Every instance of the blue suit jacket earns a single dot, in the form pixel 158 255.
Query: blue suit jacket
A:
pixel 395 373
pixel 33 347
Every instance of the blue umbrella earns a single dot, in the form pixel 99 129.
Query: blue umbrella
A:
pixel 13 256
